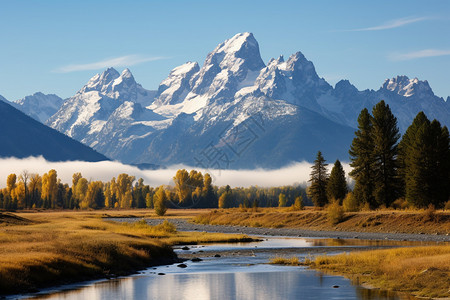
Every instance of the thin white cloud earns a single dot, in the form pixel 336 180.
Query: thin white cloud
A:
pixel 419 54
pixel 296 173
pixel 122 61
pixel 392 24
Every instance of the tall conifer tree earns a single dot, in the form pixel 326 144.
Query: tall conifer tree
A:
pixel 385 144
pixel 361 157
pixel 319 178
pixel 337 184
pixel 404 147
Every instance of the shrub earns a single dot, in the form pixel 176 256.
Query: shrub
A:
pixel 298 204
pixel 350 202
pixel 366 207
pixel 335 212
pixel 429 214
pixel 166 226
pixel 400 203
pixel 292 261
pixel 447 205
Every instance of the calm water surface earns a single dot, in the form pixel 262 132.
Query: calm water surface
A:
pixel 241 272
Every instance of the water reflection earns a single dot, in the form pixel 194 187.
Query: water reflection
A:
pixel 241 272
pixel 304 284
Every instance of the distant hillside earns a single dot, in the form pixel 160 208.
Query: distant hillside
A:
pixel 22 136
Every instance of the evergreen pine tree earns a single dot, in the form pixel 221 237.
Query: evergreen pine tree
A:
pixel 442 167
pixel 424 155
pixel 417 167
pixel 319 177
pixel 385 141
pixel 361 157
pixel 404 147
pixel 337 184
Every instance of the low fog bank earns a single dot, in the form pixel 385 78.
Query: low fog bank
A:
pixel 294 174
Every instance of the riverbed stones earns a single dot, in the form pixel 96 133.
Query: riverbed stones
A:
pixel 196 259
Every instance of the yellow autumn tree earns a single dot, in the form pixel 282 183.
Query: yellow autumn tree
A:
pixel 95 197
pixel 159 201
pixel 50 188
pixel 35 190
pixel 81 187
pixel 11 184
pixel 182 188
pixel 124 187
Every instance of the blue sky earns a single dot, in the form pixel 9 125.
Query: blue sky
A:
pixel 56 46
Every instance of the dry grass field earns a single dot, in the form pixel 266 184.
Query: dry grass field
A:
pixel 49 248
pixel 414 221
pixel 421 271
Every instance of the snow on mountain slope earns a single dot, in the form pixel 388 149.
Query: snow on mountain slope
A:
pixel 406 87
pixel 108 100
pixel 406 98
pixel 295 81
pixel 231 66
pixel 228 65
pixel 175 88
pixel 39 106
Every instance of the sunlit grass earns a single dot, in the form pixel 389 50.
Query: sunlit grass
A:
pixel 59 247
pixel 423 271
pixel 290 261
pixel 371 221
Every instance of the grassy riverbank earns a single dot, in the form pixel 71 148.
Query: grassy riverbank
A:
pixel 390 221
pixel 421 271
pixel 50 248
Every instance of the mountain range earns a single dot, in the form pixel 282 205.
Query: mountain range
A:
pixel 234 111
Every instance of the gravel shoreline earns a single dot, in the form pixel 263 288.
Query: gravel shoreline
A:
pixel 184 225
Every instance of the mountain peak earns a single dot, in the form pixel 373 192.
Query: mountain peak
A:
pixel 298 60
pixel 126 74
pixel 110 73
pixel 406 87
pixel 237 42
pixel 99 81
pixel 185 68
pixel 232 65
pixel 241 49
pixel 276 62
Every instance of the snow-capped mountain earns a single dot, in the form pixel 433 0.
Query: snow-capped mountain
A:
pixel 39 106
pixel 233 111
pixel 406 97
pixel 106 95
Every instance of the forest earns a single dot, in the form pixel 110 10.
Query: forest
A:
pixel 191 189
pixel 411 172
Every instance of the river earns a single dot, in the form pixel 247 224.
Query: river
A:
pixel 233 271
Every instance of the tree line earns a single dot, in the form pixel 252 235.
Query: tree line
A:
pixel 190 189
pixel 388 171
